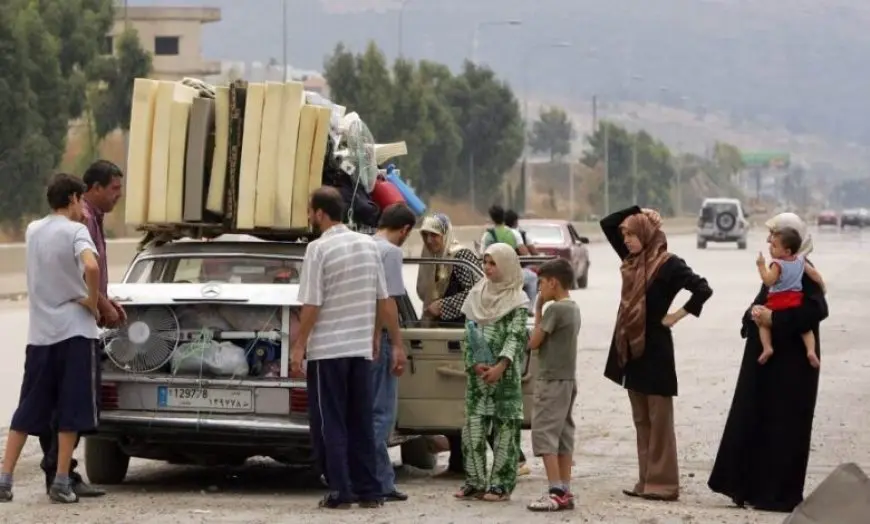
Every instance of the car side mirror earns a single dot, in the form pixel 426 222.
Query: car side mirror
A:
pixel 584 240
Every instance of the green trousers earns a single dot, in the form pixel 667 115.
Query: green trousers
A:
pixel 506 451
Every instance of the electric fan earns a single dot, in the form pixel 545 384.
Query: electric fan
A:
pixel 146 342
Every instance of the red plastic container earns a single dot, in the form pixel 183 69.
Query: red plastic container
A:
pixel 386 194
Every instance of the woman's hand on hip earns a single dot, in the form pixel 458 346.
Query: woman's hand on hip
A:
pixel 762 316
pixel 671 319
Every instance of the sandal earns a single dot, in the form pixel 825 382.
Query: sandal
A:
pixel 496 494
pixel 468 492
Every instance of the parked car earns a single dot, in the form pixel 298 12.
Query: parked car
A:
pixel 722 220
pixel 859 218
pixel 222 303
pixel 559 238
pixel 827 217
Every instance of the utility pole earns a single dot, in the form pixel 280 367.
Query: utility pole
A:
pixel 594 113
pixel 634 170
pixel 606 170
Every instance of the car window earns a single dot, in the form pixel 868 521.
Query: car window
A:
pixel 195 269
pixel 544 234
pixel 411 305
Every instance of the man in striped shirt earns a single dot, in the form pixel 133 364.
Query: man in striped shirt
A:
pixel 342 287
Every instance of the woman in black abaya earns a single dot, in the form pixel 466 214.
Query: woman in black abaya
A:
pixel 762 459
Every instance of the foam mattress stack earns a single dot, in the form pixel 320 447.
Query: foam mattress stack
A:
pixel 247 155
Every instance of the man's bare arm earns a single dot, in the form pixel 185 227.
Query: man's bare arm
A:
pixel 307 318
pixel 388 316
pixel 92 279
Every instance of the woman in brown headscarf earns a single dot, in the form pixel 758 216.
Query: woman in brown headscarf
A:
pixel 641 355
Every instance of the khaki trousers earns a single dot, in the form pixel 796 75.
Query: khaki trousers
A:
pixel 658 470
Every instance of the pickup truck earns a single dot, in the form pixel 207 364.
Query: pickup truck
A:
pixel 240 292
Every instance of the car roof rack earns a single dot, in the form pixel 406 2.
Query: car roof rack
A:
pixel 160 234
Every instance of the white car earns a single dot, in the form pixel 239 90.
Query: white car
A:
pixel 200 372
pixel 722 220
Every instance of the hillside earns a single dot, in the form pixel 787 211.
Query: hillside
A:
pixel 789 65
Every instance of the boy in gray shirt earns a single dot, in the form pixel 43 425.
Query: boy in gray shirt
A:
pixel 60 367
pixel 555 339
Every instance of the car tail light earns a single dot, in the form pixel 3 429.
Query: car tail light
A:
pixel 298 400
pixel 108 395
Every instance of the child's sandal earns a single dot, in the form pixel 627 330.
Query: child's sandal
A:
pixel 497 495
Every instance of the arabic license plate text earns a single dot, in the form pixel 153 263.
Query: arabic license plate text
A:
pixel 213 399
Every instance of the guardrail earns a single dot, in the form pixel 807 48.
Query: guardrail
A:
pixel 121 251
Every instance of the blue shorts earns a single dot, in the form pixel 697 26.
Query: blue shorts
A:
pixel 59 380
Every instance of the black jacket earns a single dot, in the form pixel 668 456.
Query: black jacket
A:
pixel 654 372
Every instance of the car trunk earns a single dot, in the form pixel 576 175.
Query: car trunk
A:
pixel 203 349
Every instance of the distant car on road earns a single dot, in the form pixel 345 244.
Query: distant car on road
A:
pixel 722 220
pixel 559 238
pixel 828 217
pixel 859 218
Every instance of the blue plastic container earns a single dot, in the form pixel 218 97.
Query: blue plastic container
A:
pixel 411 198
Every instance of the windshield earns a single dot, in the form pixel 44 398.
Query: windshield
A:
pixel 202 269
pixel 544 234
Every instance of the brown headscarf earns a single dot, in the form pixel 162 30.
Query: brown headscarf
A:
pixel 638 271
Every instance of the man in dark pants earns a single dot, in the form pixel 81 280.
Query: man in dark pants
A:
pixel 103 181
pixel 341 288
pixel 60 369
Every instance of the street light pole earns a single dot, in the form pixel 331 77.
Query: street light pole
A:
pixel 402 27
pixel 525 68
pixel 284 40
pixel 475 38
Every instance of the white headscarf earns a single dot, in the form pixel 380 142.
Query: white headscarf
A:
pixel 790 220
pixel 488 300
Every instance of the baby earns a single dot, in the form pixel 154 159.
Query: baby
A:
pixel 783 279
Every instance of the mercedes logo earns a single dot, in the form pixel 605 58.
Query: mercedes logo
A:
pixel 211 291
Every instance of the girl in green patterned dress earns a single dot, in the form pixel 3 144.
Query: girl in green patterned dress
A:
pixel 496 336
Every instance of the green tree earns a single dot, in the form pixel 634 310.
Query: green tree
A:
pixel 33 108
pixel 454 125
pixel 112 100
pixel 80 27
pixel 640 167
pixel 552 133
pixel 488 116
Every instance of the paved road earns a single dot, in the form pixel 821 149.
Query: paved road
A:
pixel 708 355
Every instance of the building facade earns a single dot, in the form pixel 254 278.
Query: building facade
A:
pixel 173 36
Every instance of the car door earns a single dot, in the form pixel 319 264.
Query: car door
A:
pixel 432 389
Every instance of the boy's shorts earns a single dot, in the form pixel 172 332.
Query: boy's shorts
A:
pixel 62 380
pixel 552 418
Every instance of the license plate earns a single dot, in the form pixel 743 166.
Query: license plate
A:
pixel 211 399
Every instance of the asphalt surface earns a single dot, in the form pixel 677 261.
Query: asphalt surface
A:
pixel 709 350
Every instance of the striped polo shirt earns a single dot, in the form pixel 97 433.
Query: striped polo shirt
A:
pixel 343 275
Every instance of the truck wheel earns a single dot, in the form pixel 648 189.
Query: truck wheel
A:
pixel 105 461
pixel 741 244
pixel 416 453
pixel 702 244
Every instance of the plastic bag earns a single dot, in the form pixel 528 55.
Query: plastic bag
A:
pixel 208 356
pixel 480 352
